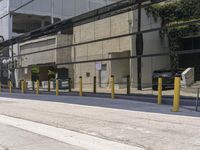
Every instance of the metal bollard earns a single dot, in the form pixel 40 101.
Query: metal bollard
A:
pixel 80 86
pixel 22 87
pixel 37 87
pixel 49 86
pixel 0 88
pixel 176 102
pixel 69 85
pixel 57 87
pixel 25 86
pixel 112 87
pixel 95 85
pixel 197 99
pixel 10 87
pixel 128 85
pixel 159 90
pixel 33 85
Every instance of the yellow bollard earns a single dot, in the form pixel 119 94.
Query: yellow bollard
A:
pixel 22 87
pixel 176 102
pixel 10 87
pixel 57 87
pixel 25 86
pixel 37 87
pixel 80 86
pixel 159 90
pixel 112 87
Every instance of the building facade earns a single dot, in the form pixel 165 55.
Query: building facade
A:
pixel 118 47
pixel 124 46
pixel 44 61
pixel 39 13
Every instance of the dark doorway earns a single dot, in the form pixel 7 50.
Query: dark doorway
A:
pixel 63 73
pixel 193 59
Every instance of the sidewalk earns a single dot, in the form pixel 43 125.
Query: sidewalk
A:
pixel 146 95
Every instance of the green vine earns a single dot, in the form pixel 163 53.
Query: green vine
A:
pixel 175 12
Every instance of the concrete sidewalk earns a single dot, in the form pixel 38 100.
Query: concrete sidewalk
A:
pixel 185 100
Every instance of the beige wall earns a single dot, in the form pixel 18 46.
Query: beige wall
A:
pixel 113 26
pixel 57 56
pixel 35 46
pixel 108 27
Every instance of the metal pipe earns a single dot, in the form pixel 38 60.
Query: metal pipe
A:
pixel 197 99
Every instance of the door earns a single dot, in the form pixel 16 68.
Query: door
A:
pixel 104 79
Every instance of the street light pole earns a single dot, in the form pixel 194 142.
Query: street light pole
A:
pixel 13 66
pixel 52 11
pixel 139 49
pixel 1 65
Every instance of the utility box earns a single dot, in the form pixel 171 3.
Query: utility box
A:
pixel 188 77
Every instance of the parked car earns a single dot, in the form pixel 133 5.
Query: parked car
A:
pixel 167 76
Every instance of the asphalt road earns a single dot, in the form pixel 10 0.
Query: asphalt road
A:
pixel 137 124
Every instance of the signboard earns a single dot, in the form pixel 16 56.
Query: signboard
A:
pixel 25 70
pixel 98 66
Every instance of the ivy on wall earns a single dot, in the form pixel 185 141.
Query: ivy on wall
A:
pixel 175 12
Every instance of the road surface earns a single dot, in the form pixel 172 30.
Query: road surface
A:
pixel 12 138
pixel 137 125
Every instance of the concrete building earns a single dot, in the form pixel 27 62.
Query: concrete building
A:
pixel 118 47
pixel 113 48
pixel 45 60
pixel 39 13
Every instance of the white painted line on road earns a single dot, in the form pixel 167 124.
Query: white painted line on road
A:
pixel 70 137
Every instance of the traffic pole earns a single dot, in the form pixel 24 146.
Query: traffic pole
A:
pixel 159 90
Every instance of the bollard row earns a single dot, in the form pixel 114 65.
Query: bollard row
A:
pixel 176 99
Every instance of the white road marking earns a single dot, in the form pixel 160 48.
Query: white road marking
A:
pixel 66 136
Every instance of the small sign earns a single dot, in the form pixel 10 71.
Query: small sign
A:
pixel 98 66
pixel 25 70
